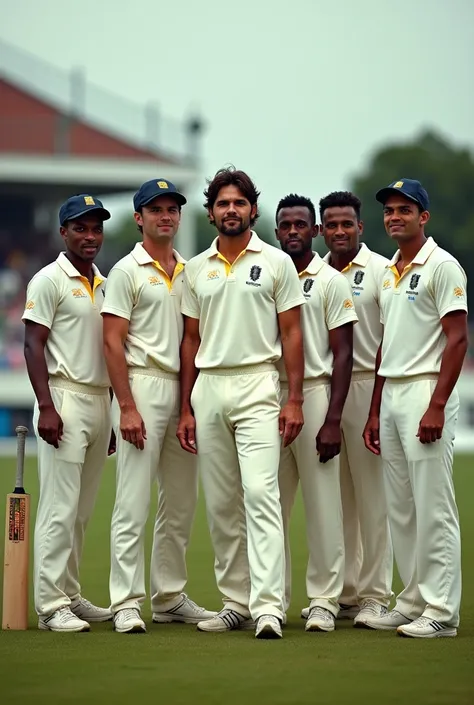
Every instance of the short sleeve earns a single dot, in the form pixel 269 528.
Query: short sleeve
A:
pixel 189 301
pixel 340 307
pixel 42 298
pixel 119 298
pixel 287 287
pixel 449 288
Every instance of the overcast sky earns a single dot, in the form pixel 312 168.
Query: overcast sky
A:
pixel 296 92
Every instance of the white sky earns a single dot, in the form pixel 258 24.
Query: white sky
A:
pixel 297 93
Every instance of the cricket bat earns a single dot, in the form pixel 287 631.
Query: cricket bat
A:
pixel 17 546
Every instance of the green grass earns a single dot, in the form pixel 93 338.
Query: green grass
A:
pixel 176 664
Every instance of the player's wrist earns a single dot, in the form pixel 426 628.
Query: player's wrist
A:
pixel 45 404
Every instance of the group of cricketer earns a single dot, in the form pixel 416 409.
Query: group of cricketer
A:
pixel 252 368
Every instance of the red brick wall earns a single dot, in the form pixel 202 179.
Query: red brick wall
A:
pixel 29 126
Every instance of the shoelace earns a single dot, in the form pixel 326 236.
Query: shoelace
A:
pixel 374 608
pixel 66 615
pixel 129 612
pixel 190 603
pixel 422 622
pixel 271 619
pixel 320 612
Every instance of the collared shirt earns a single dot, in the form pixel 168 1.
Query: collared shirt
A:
pixel 238 304
pixel 139 290
pixel 411 306
pixel 365 275
pixel 61 299
pixel 328 305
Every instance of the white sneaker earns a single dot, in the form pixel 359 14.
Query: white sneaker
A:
pixel 186 611
pixel 426 628
pixel 128 621
pixel 91 613
pixel 345 612
pixel 371 609
pixel 390 620
pixel 320 620
pixel 63 620
pixel 225 621
pixel 268 627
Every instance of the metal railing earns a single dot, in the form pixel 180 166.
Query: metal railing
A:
pixel 143 126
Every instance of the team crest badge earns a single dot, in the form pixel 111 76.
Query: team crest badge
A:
pixel 255 272
pixel 348 304
pixel 358 277
pixel 89 201
pixel 415 278
pixel 308 285
pixel 162 184
pixel 458 291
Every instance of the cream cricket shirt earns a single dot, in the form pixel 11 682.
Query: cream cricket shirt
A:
pixel 365 274
pixel 237 304
pixel 139 289
pixel 328 305
pixel 61 299
pixel 411 308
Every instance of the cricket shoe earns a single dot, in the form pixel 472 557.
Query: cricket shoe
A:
pixel 371 609
pixel 225 621
pixel 63 620
pixel 320 620
pixel 128 621
pixel 268 627
pixel 84 609
pixel 426 628
pixel 186 611
pixel 388 621
pixel 345 612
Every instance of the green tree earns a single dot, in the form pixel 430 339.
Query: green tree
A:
pixel 447 172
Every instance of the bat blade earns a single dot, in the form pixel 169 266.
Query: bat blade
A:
pixel 16 562
pixel 17 547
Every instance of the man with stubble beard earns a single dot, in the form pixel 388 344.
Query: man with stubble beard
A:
pixel 241 304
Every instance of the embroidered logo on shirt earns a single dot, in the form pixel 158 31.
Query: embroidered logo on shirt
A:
pixel 213 274
pixel 359 276
pixel 458 291
pixel 254 274
pixel 79 293
pixel 155 280
pixel 348 304
pixel 415 278
pixel 308 285
pixel 386 284
pixel 29 305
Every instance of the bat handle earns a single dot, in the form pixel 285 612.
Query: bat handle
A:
pixel 21 433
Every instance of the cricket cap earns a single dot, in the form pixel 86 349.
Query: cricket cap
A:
pixel 79 205
pixel 154 188
pixel 410 188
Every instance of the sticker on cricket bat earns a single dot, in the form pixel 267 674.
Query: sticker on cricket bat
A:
pixel 16 524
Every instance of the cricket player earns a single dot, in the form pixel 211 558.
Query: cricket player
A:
pixel 66 367
pixel 241 304
pixel 368 548
pixel 313 458
pixel 143 327
pixel 413 414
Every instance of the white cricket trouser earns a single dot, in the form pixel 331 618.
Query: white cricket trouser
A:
pixel 238 444
pixel 156 395
pixel 368 546
pixel 321 492
pixel 69 477
pixel 421 502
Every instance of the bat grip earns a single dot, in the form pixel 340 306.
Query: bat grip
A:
pixel 21 433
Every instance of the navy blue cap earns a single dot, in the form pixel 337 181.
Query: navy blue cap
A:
pixel 79 205
pixel 153 188
pixel 410 188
